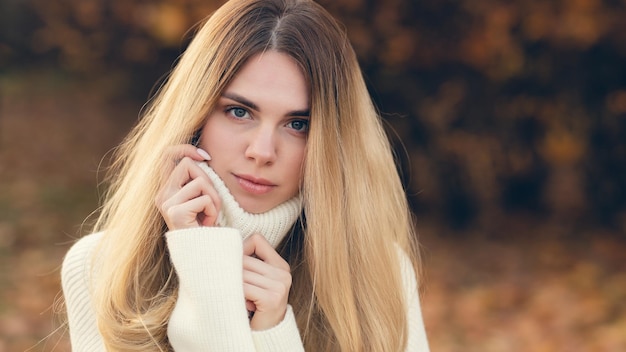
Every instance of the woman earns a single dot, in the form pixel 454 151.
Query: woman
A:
pixel 294 234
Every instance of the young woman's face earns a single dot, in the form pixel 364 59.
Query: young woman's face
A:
pixel 257 133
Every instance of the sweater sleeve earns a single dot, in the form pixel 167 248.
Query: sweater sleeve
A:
pixel 417 340
pixel 210 312
pixel 75 280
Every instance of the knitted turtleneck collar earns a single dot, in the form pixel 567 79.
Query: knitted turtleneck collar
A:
pixel 273 224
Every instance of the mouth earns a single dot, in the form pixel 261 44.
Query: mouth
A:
pixel 254 185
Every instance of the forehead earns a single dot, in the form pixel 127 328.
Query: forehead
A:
pixel 271 76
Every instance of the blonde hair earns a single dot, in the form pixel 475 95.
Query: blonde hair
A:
pixel 347 288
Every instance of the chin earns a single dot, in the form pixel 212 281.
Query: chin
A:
pixel 254 207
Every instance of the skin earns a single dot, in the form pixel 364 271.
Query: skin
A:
pixel 256 136
pixel 258 130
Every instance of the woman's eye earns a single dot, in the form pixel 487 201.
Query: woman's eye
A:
pixel 239 113
pixel 299 125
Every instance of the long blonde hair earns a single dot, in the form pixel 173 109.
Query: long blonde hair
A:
pixel 347 288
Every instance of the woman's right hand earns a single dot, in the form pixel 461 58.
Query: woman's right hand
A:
pixel 187 198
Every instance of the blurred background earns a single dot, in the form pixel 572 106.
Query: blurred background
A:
pixel 509 124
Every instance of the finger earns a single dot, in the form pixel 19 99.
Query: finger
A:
pixel 265 300
pixel 260 267
pixel 204 205
pixel 198 205
pixel 185 215
pixel 177 176
pixel 174 154
pixel 277 280
pixel 270 304
pixel 257 244
pixel 180 151
pixel 194 188
pixel 186 171
pixel 187 182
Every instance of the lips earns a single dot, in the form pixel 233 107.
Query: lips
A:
pixel 254 185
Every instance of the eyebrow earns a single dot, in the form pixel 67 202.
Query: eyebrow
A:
pixel 243 101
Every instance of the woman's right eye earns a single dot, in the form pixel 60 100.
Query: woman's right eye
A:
pixel 238 113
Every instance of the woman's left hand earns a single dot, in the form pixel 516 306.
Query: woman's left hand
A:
pixel 266 282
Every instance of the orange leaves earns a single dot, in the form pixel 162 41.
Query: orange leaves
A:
pixel 528 293
pixel 490 45
pixel 166 22
pixel 561 147
pixel 581 23
pixel 90 35
pixel 616 102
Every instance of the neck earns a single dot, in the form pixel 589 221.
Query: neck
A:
pixel 273 224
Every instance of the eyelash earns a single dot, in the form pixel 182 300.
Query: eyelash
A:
pixel 230 111
pixel 305 129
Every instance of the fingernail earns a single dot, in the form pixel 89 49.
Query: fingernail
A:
pixel 203 154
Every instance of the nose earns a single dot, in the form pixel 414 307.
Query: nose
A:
pixel 262 146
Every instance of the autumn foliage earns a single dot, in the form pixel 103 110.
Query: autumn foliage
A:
pixel 508 119
pixel 500 106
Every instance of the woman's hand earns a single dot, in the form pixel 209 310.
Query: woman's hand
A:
pixel 187 198
pixel 266 282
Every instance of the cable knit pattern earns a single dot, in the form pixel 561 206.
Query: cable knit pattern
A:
pixel 273 224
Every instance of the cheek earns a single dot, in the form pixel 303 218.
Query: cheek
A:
pixel 205 135
pixel 213 137
pixel 296 167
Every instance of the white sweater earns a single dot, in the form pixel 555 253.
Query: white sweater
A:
pixel 210 313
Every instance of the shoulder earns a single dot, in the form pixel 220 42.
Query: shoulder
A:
pixel 409 276
pixel 77 279
pixel 82 248
pixel 77 261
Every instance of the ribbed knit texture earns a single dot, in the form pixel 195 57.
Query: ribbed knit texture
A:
pixel 75 278
pixel 273 224
pixel 200 300
pixel 210 313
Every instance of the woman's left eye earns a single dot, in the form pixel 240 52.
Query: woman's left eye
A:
pixel 299 125
pixel 239 113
